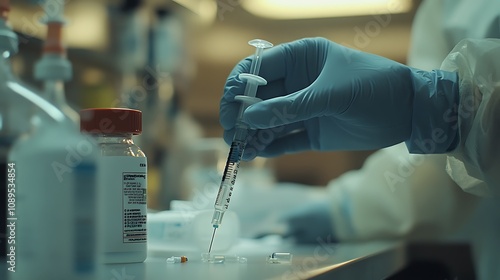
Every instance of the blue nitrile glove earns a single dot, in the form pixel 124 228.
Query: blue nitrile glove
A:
pixel 310 223
pixel 324 96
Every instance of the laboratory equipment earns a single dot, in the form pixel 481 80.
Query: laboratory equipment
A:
pixel 131 44
pixel 240 136
pixel 173 259
pixel 54 68
pixel 123 168
pixel 53 190
pixel 280 258
pixel 208 258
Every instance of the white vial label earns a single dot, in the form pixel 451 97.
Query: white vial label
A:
pixel 124 205
pixel 134 207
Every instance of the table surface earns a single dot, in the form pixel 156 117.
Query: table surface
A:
pixel 374 260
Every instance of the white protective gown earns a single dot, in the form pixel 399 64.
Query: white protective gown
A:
pixel 454 196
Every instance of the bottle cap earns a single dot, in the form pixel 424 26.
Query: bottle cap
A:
pixel 111 121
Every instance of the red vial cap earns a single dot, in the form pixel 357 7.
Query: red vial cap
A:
pixel 111 121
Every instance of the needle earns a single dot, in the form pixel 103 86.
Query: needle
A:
pixel 211 241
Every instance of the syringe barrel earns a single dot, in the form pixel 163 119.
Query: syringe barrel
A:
pixel 239 122
pixel 251 89
pixel 217 218
pixel 256 61
pixel 241 134
pixel 229 177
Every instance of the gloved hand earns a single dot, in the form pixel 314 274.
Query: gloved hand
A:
pixel 324 96
pixel 310 223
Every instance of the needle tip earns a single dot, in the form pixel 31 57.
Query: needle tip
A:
pixel 211 241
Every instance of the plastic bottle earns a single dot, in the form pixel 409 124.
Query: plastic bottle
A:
pixel 123 169
pixel 56 196
pixel 51 218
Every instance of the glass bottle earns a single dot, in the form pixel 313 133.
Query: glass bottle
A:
pixel 122 169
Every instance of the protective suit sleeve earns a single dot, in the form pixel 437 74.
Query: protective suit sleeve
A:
pixel 475 163
pixel 396 195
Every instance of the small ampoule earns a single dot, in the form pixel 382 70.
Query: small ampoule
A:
pixel 181 259
pixel 280 258
pixel 206 257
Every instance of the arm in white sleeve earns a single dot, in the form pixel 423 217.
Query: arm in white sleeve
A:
pixel 475 164
pixel 396 195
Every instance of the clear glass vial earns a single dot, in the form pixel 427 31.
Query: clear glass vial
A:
pixel 207 257
pixel 122 177
pixel 280 258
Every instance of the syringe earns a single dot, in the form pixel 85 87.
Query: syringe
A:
pixel 240 135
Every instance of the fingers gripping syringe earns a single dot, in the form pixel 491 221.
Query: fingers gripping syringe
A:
pixel 240 135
